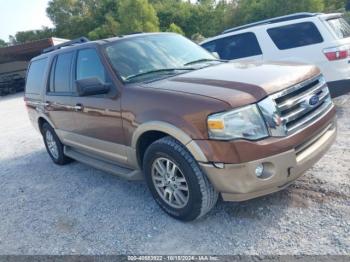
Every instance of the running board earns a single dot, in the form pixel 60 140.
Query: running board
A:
pixel 106 166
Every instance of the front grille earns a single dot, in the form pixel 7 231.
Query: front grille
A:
pixel 297 106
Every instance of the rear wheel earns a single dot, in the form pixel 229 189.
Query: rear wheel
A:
pixel 54 146
pixel 176 182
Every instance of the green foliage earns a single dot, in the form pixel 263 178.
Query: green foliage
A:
pixel 109 28
pixel 2 43
pixel 254 10
pixel 137 16
pixel 32 35
pixel 175 29
pixel 107 18
pixel 334 5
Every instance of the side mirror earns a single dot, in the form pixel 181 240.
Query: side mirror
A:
pixel 91 86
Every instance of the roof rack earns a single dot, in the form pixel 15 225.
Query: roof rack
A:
pixel 76 41
pixel 273 20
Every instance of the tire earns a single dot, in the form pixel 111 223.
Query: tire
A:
pixel 51 140
pixel 200 196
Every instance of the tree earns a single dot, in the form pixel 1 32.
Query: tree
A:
pixel 106 18
pixel 137 16
pixel 334 5
pixel 175 29
pixel 2 43
pixel 31 35
pixel 109 28
pixel 173 11
pixel 254 10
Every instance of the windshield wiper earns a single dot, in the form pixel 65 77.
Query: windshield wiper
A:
pixel 202 61
pixel 157 71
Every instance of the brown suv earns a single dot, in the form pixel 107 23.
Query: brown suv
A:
pixel 159 105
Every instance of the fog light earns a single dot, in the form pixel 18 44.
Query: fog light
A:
pixel 259 170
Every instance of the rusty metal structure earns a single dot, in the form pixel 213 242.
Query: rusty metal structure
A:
pixel 14 62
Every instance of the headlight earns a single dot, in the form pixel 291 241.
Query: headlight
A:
pixel 245 122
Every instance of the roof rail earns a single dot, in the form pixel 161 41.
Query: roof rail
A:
pixel 272 20
pixel 76 41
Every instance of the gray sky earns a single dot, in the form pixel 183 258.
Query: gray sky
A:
pixel 22 15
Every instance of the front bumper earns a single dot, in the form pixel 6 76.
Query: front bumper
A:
pixel 238 182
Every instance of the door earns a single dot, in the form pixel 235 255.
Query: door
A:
pixel 59 105
pixel 98 126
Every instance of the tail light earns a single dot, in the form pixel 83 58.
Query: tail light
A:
pixel 337 53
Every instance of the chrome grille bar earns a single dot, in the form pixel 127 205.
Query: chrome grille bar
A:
pixel 295 87
pixel 293 109
pixel 299 98
pixel 323 110
pixel 301 110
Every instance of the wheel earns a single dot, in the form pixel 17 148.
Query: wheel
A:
pixel 176 182
pixel 54 146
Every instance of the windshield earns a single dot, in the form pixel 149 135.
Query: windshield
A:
pixel 155 54
pixel 340 26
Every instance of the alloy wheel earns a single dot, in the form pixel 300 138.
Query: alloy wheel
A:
pixel 170 183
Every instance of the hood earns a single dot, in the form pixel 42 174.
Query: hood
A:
pixel 238 83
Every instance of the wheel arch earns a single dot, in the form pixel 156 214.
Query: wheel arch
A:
pixel 148 133
pixel 41 120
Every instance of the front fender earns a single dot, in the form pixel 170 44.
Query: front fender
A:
pixel 173 131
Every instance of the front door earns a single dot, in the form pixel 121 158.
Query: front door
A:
pixel 98 126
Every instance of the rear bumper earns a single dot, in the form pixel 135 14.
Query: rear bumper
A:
pixel 238 182
pixel 338 88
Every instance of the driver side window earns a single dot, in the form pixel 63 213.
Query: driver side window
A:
pixel 89 66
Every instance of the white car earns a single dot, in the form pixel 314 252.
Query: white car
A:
pixel 313 38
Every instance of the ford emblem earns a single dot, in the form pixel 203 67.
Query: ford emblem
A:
pixel 314 100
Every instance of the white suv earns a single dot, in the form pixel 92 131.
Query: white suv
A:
pixel 320 39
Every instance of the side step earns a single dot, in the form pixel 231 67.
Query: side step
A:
pixel 106 166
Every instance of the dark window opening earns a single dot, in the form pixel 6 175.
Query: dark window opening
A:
pixel 235 47
pixel 295 35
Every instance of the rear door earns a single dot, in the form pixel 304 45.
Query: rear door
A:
pixel 58 99
pixel 239 47
pixel 302 41
pixel 35 88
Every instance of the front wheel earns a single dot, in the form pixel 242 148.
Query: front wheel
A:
pixel 176 182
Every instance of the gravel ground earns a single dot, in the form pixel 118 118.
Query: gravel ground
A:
pixel 76 209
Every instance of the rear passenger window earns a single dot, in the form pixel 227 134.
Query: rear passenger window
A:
pixel 35 77
pixel 296 35
pixel 235 47
pixel 60 77
pixel 89 65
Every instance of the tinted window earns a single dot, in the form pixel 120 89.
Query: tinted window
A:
pixel 61 78
pixel 340 27
pixel 296 35
pixel 89 65
pixel 35 76
pixel 211 46
pixel 235 47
